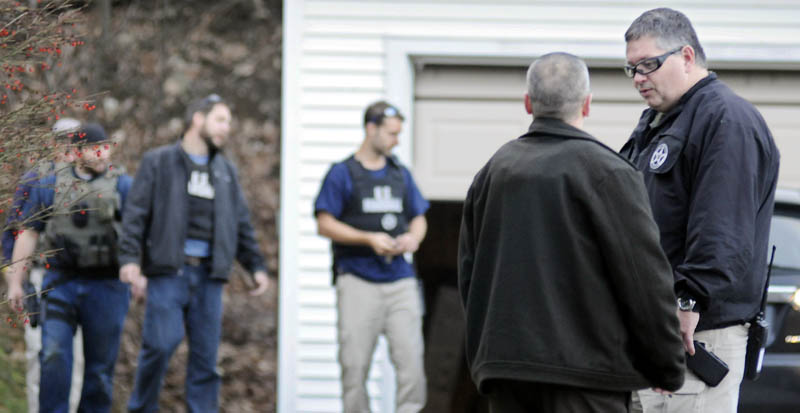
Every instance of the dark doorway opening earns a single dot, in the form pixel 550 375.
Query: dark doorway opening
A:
pixel 450 389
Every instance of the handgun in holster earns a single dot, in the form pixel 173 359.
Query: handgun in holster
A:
pixel 32 303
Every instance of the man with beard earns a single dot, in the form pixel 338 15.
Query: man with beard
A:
pixel 63 129
pixel 77 211
pixel 371 209
pixel 186 221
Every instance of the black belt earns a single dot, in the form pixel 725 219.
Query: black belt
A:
pixel 196 261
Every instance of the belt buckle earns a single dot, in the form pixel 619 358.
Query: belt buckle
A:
pixel 193 261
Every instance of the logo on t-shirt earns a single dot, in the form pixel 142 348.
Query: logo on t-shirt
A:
pixel 382 201
pixel 200 186
pixel 389 222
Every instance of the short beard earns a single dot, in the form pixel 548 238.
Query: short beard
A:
pixel 212 147
pixel 91 170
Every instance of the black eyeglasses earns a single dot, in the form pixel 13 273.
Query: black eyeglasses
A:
pixel 649 65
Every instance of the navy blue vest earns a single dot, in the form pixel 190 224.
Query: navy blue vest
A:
pixel 376 205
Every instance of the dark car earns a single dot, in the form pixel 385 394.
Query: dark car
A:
pixel 778 388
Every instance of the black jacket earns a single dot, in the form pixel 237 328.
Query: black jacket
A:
pixel 711 167
pixel 155 221
pixel 560 271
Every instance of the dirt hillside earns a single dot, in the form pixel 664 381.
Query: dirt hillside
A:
pixel 142 62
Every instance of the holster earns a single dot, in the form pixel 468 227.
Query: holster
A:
pixel 32 303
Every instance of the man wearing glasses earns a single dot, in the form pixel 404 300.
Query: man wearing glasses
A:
pixel 371 209
pixel 185 223
pixel 710 167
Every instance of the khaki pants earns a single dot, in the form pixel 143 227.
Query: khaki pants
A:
pixel 729 344
pixel 33 344
pixel 367 310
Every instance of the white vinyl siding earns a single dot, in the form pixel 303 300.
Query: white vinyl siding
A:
pixel 341 55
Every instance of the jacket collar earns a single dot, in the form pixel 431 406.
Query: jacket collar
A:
pixel 212 160
pixel 678 108
pixel 557 128
pixel 552 127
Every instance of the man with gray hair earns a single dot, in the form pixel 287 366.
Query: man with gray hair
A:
pixel 568 296
pixel 710 166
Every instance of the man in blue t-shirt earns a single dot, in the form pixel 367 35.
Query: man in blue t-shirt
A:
pixel 373 212
pixel 64 129
pixel 73 213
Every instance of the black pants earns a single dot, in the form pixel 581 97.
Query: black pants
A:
pixel 509 396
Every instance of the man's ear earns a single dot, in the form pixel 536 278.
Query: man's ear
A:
pixel 587 103
pixel 198 118
pixel 370 128
pixel 688 56
pixel 528 106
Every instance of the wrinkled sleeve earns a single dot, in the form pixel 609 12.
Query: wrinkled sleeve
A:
pixel 466 253
pixel 723 207
pixel 641 276
pixel 247 251
pixel 136 213
pixel 335 190
pixel 123 187
pixel 21 195
pixel 415 203
pixel 467 239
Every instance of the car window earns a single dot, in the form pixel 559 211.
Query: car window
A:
pixel 785 235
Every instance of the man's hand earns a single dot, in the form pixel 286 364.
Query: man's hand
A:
pixel 688 321
pixel 132 274
pixel 262 283
pixel 15 296
pixel 24 248
pixel 382 243
pixel 407 243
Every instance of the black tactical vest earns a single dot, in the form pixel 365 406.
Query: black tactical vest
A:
pixel 200 188
pixel 376 204
pixel 85 223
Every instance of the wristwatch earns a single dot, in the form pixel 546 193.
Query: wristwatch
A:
pixel 686 304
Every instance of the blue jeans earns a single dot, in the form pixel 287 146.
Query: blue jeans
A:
pixel 100 307
pixel 191 303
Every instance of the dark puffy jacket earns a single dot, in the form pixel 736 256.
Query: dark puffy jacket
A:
pixel 711 167
pixel 155 221
pixel 560 271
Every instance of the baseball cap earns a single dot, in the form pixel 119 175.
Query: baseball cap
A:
pixel 89 133
pixel 65 125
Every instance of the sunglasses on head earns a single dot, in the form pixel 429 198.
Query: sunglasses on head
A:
pixel 387 112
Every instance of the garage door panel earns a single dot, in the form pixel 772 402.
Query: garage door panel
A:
pixel 613 122
pixel 464 114
pixel 459 139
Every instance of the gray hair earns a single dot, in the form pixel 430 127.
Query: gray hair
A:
pixel 558 83
pixel 670 29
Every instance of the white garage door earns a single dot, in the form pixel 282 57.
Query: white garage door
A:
pixel 463 114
